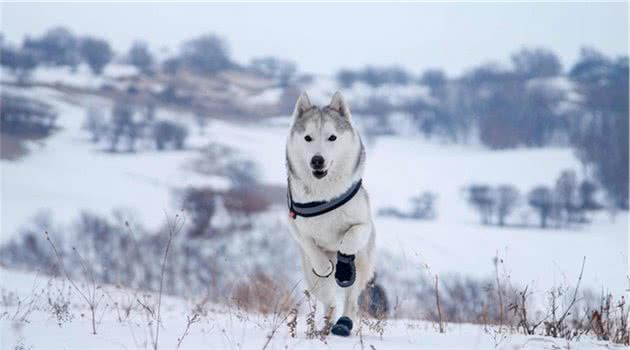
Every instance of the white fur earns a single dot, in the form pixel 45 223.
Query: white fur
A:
pixel 348 229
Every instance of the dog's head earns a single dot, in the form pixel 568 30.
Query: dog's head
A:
pixel 322 141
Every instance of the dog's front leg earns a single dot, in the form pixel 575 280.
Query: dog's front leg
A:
pixel 355 239
pixel 322 265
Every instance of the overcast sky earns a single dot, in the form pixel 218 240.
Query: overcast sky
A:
pixel 323 37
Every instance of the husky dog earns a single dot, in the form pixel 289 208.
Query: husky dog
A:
pixel 329 210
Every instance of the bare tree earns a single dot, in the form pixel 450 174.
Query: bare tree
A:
pixel 541 199
pixel 588 203
pixel 97 53
pixel 482 197
pixel 121 120
pixel 140 57
pixel 507 197
pixel 567 195
pixel 207 54
pixel 538 62
pixel 600 135
pixel 20 61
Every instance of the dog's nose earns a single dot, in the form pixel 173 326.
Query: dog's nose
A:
pixel 317 162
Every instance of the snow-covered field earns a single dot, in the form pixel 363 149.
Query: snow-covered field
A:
pixel 221 327
pixel 65 174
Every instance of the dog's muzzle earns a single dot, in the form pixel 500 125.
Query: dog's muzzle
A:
pixel 320 174
pixel 318 165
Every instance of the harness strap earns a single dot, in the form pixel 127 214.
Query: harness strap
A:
pixel 311 209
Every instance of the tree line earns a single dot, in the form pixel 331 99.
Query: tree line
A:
pixel 569 202
pixel 533 103
pixel 128 125
pixel 207 54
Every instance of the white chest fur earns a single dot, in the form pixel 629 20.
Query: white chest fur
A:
pixel 328 230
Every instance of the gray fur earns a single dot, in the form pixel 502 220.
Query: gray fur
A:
pixel 304 117
pixel 290 166
pixel 318 115
pixel 360 159
pixel 342 123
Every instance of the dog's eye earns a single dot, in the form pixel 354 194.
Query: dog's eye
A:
pixel 308 138
pixel 332 138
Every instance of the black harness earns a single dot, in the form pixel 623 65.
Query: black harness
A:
pixel 311 209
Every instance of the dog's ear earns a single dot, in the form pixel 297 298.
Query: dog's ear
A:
pixel 303 104
pixel 338 104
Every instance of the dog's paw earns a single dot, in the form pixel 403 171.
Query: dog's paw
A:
pixel 343 327
pixel 345 271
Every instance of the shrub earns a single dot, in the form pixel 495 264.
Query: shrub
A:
pixel 169 133
pixel 26 117
pixel 21 62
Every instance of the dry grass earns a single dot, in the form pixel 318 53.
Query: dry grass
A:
pixel 259 293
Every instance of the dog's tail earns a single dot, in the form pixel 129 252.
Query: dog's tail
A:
pixel 373 300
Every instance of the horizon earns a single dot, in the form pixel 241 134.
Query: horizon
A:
pixel 415 36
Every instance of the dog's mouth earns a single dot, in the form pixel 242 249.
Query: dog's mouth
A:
pixel 320 174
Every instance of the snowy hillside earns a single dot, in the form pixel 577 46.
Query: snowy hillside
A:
pixel 66 174
pixel 144 173
pixel 57 318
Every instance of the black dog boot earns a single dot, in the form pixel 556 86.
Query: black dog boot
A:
pixel 343 327
pixel 345 272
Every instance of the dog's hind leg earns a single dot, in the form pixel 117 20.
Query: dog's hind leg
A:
pixel 351 301
pixel 364 272
pixel 344 324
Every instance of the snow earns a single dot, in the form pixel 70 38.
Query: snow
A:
pixel 120 70
pixel 455 242
pixel 220 327
pixel 67 174
pixel 81 76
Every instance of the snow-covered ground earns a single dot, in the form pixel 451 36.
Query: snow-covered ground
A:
pixel 66 174
pixel 219 327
